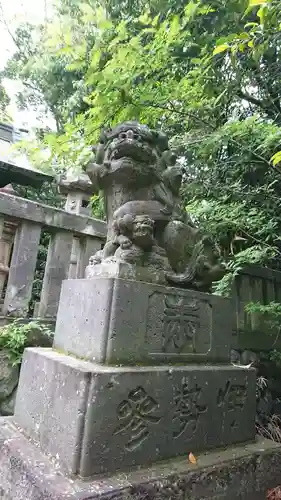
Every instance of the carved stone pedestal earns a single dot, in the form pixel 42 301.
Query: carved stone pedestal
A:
pixel 112 320
pixel 86 418
pixel 94 419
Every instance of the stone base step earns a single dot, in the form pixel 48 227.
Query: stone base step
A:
pixel 243 472
pixel 97 419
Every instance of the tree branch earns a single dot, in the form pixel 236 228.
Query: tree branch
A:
pixel 242 147
pixel 251 99
pixel 3 20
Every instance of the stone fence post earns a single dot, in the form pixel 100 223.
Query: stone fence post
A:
pixel 22 268
pixel 6 241
pixel 57 268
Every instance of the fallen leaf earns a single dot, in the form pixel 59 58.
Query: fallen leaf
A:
pixel 192 459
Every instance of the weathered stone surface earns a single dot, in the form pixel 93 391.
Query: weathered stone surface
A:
pixel 7 234
pixel 113 268
pixel 7 406
pixel 248 357
pixel 94 418
pixel 242 472
pixel 78 188
pixel 88 247
pixel 8 375
pixel 75 182
pixel 21 208
pixel 22 268
pixel 50 405
pixel 40 335
pixel 121 321
pixel 147 227
pixel 56 270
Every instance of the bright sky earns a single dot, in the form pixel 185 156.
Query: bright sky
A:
pixel 16 12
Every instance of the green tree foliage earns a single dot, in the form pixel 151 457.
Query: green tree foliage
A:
pixel 4 102
pixel 46 83
pixel 17 335
pixel 205 71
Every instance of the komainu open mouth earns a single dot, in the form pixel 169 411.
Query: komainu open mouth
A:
pixel 130 148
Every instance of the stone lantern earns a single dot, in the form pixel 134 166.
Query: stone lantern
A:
pixel 78 190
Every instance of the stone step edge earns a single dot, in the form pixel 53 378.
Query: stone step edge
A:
pixel 253 468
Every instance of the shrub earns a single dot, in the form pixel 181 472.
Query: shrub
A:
pixel 17 335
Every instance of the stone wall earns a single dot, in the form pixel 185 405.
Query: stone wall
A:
pixel 250 330
pixel 268 415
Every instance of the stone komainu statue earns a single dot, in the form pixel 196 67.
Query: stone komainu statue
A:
pixel 147 227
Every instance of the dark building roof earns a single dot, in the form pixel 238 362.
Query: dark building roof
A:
pixel 15 168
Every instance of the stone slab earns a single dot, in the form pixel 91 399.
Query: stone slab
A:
pixel 94 419
pixel 56 270
pixel 22 269
pixel 21 208
pixel 257 340
pixel 112 268
pixel 243 472
pixel 51 403
pixel 117 321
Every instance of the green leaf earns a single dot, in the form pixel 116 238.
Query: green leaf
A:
pixel 155 21
pixel 190 9
pixel 87 11
pixel 251 25
pixel 276 158
pixel 220 48
pixel 243 36
pixel 76 65
pixel 262 13
pixel 145 18
pixel 226 39
pixel 252 3
pixel 174 28
pixel 217 100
